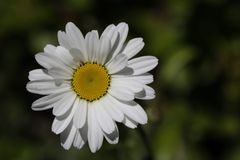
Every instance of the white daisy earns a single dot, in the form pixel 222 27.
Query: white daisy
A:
pixel 91 84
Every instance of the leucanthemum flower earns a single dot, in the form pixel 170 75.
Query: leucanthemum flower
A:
pixel 90 83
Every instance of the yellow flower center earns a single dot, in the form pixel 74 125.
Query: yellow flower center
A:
pixel 91 81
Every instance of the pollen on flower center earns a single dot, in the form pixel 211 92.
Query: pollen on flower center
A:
pixel 91 81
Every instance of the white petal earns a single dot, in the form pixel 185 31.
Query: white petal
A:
pixel 117 36
pixel 46 102
pixel 45 60
pixel 121 93
pixel 63 40
pixel 64 104
pixel 80 114
pixel 51 61
pixel 127 84
pixel 113 137
pixel 78 141
pixel 100 138
pixel 146 93
pixel 122 29
pixel 117 64
pixel 92 42
pixel 60 74
pixel 95 135
pixel 75 36
pixel 39 74
pixel 108 32
pixel 84 130
pixel 61 123
pixel 129 123
pixel 92 137
pixel 104 49
pixel 64 55
pixel 105 121
pixel 68 137
pixel 133 47
pixel 58 126
pixel 78 55
pixel 143 64
pixel 132 110
pixel 115 113
pixel 47 87
pixel 50 49
pixel 145 78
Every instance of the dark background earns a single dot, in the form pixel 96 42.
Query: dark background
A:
pixel 196 113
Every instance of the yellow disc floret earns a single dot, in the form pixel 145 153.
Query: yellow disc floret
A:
pixel 91 81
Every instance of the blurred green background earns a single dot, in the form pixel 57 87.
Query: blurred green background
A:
pixel 196 113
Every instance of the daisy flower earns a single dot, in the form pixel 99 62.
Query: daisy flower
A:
pixel 90 83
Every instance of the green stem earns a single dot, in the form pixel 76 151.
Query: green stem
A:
pixel 146 143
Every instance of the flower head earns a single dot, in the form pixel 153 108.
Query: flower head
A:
pixel 90 83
